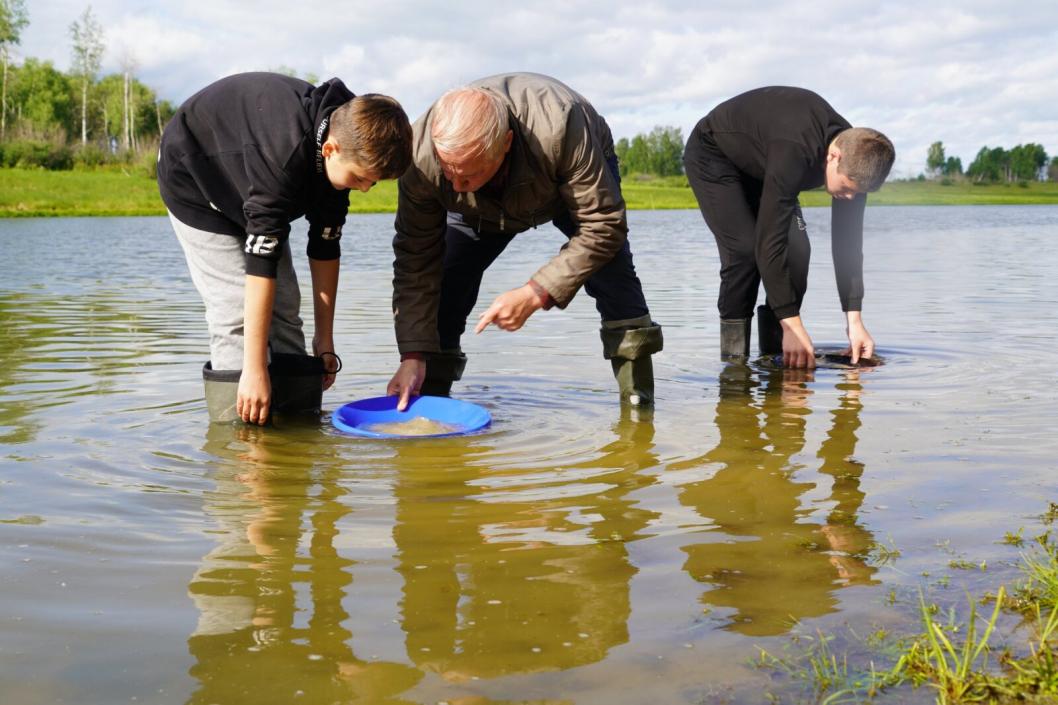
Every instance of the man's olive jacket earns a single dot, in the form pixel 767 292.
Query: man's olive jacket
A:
pixel 557 162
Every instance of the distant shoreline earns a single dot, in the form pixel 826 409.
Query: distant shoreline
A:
pixel 39 193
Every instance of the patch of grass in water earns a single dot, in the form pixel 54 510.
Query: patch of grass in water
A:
pixel 982 658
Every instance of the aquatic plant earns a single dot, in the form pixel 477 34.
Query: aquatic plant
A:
pixel 959 672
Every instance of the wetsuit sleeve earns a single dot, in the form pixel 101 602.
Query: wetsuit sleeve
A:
pixel 846 247
pixel 418 249
pixel 785 169
pixel 593 195
pixel 326 218
pixel 271 198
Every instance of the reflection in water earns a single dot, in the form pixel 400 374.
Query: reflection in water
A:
pixel 271 616
pixel 505 573
pixel 769 562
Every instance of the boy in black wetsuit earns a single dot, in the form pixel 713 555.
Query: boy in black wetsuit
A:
pixel 747 161
pixel 239 161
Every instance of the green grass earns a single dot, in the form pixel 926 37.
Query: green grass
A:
pixel 30 192
pixel 973 659
pixel 672 192
pixel 36 192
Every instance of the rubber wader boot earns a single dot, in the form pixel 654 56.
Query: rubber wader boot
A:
pixel 628 345
pixel 297 383
pixel 769 332
pixel 442 369
pixel 222 389
pixel 734 338
pixel 297 386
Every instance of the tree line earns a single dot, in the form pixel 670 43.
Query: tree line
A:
pixel 1024 162
pixel 56 119
pixel 660 153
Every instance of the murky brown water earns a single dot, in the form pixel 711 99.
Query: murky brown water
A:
pixel 572 553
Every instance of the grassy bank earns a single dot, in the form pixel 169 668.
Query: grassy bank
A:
pixel 673 192
pixel 25 192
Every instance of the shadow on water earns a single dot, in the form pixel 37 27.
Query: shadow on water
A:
pixel 771 564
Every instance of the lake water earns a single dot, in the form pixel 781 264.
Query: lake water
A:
pixel 574 552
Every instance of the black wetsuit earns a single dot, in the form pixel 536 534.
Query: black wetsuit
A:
pixel 747 161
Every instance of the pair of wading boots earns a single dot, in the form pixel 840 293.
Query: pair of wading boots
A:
pixel 627 344
pixel 297 386
pixel 735 335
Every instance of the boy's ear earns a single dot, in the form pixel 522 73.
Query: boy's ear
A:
pixel 833 153
pixel 329 147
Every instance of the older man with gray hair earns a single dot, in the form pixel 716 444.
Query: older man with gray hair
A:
pixel 493 159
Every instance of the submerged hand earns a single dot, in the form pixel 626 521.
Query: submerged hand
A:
pixel 511 309
pixel 861 344
pixel 407 381
pixel 254 396
pixel 797 348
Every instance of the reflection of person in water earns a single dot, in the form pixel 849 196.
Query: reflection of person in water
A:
pixel 271 616
pixel 510 572
pixel 769 562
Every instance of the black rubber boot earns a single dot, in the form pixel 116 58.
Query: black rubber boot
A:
pixel 297 387
pixel 734 338
pixel 628 346
pixel 297 383
pixel 769 332
pixel 442 369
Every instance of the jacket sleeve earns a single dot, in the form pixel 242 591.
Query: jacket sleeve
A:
pixel 326 218
pixel 785 167
pixel 846 248
pixel 418 249
pixel 271 199
pixel 593 194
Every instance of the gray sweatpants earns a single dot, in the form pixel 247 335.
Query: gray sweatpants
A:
pixel 218 270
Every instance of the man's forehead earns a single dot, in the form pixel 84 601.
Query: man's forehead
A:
pixel 462 162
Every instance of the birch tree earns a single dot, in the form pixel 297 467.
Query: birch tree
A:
pixel 13 20
pixel 87 35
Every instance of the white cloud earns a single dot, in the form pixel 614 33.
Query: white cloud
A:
pixel 968 72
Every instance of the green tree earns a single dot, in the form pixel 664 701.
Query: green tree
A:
pixel 935 160
pixel 13 19
pixel 1052 170
pixel 88 46
pixel 660 152
pixel 952 167
pixel 990 165
pixel 666 151
pixel 1027 162
pixel 130 110
pixel 42 101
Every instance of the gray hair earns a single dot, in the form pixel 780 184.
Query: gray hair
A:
pixel 469 122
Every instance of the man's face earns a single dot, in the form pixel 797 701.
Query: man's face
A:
pixel 839 185
pixel 468 174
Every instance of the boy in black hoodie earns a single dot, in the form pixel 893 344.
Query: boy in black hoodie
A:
pixel 239 161
pixel 747 161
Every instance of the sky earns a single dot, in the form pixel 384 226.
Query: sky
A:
pixel 969 73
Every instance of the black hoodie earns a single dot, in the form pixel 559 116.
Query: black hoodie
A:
pixel 779 136
pixel 242 157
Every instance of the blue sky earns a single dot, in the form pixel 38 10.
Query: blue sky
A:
pixel 969 73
